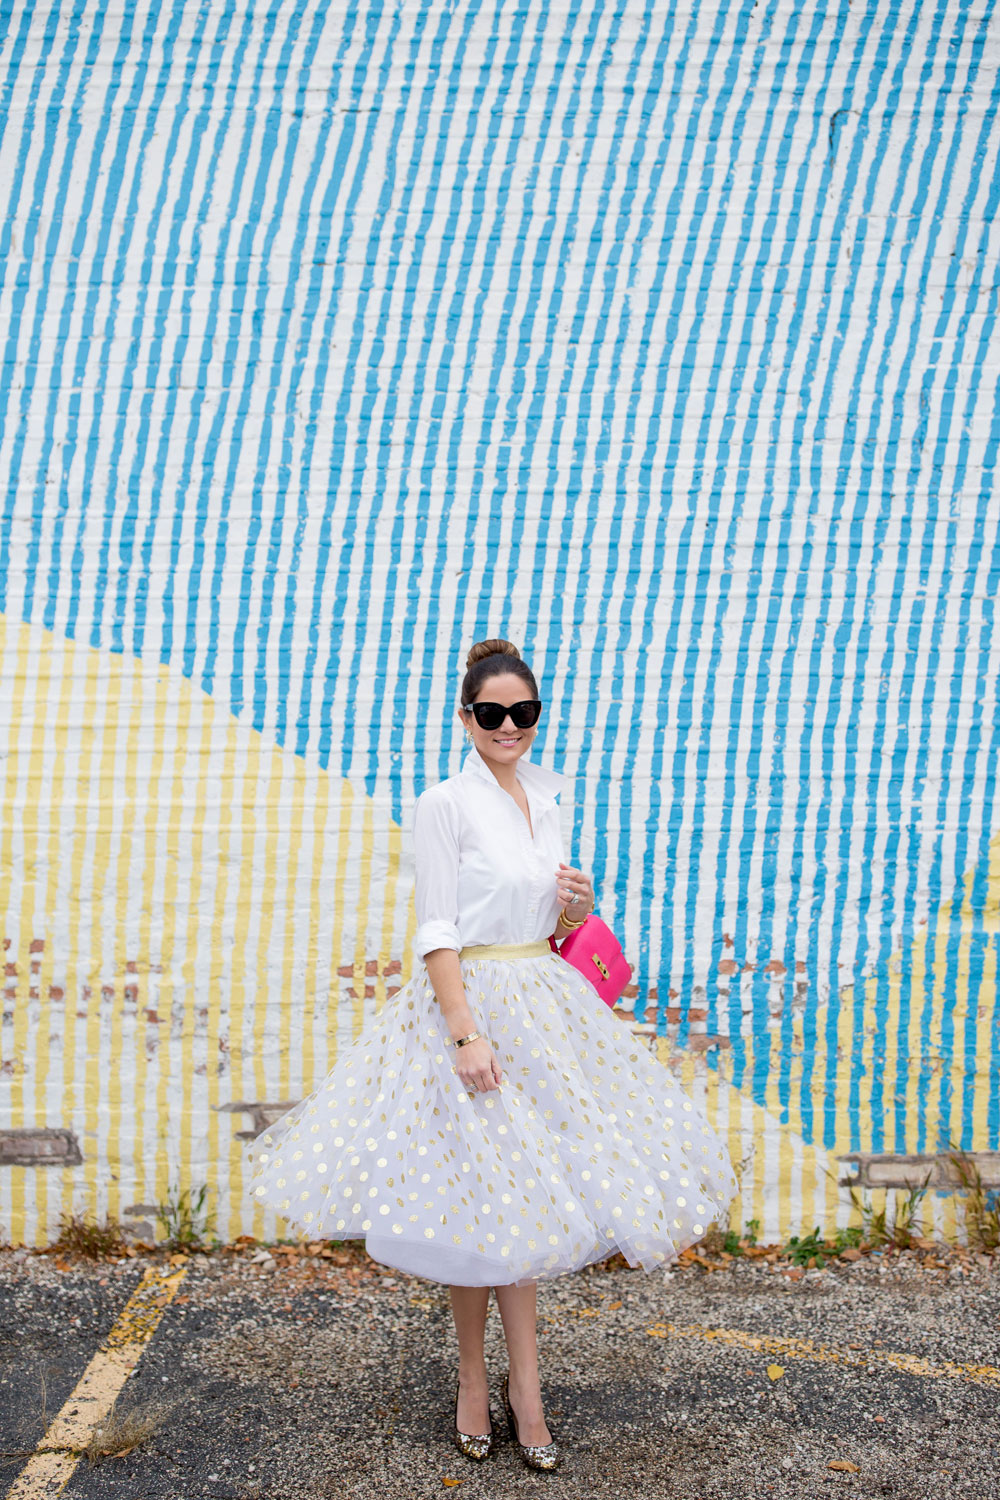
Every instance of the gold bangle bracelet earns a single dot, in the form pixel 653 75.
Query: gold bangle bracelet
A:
pixel 460 1041
pixel 571 926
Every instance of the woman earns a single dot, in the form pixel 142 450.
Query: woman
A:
pixel 496 1123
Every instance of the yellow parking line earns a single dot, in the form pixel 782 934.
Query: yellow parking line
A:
pixel 912 1364
pixel 49 1469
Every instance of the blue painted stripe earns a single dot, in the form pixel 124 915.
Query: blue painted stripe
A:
pixel 671 810
pixel 34 188
pixel 441 323
pixel 736 302
pixel 623 639
pixel 351 200
pixel 383 535
pixel 287 478
pixel 118 494
pixel 270 575
pixel 367 531
pixel 824 927
pixel 872 1122
pixel 200 122
pixel 914 643
pixel 564 618
pixel 839 726
pixel 14 46
pixel 567 624
pixel 57 194
pixel 105 205
pixel 486 620
pixel 853 402
pixel 499 197
pixel 155 92
pixel 262 146
pixel 956 982
pixel 795 229
pixel 823 932
pixel 215 476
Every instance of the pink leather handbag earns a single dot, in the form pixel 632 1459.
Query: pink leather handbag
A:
pixel 593 949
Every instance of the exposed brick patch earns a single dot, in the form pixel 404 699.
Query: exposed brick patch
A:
pixel 39 1148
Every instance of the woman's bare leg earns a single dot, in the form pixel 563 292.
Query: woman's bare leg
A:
pixel 469 1305
pixel 518 1309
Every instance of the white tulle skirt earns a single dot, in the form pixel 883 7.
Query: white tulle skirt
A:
pixel 589 1146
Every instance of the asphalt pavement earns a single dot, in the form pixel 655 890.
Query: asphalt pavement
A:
pixel 327 1377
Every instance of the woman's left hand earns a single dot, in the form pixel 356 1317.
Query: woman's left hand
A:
pixel 570 883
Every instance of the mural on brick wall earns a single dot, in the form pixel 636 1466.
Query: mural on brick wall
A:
pixel 653 337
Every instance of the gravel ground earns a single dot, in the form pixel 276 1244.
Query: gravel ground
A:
pixel 322 1379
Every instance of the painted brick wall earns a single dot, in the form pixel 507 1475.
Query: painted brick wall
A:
pixel 338 336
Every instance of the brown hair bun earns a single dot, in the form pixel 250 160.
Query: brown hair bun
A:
pixel 494 658
pixel 482 649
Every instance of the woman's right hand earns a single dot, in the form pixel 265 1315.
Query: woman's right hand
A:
pixel 477 1066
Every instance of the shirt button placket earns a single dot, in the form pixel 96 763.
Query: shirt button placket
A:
pixel 535 888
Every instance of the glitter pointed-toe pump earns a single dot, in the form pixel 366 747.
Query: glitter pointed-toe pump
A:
pixel 535 1455
pixel 473 1444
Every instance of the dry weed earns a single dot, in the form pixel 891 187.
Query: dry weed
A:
pixel 122 1431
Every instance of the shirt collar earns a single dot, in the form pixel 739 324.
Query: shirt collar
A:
pixel 540 784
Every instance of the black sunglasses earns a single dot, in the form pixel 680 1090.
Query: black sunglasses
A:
pixel 492 715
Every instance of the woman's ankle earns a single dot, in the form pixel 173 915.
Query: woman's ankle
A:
pixel 525 1382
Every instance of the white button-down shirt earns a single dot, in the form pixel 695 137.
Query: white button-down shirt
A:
pixel 482 876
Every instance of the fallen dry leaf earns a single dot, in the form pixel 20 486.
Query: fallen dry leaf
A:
pixel 775 1371
pixel 450 1482
pixel 844 1465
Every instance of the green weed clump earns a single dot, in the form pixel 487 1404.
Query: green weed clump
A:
pixel 816 1249
pixel 982 1205
pixel 184 1218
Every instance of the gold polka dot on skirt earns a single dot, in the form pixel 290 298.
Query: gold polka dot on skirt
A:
pixel 589 1145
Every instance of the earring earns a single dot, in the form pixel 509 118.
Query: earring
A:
pixel 468 734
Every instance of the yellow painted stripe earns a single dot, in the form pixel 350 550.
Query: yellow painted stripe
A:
pixel 16 678
pixel 171 727
pixel 150 991
pixel 49 1469
pixel 761 1343
pixel 222 1150
pixel 189 947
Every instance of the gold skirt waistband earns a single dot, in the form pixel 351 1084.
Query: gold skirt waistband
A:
pixel 506 950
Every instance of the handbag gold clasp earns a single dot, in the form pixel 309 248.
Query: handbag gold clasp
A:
pixel 600 964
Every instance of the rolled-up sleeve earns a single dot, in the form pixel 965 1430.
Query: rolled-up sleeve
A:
pixel 436 851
